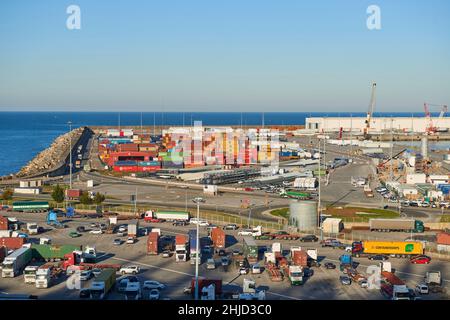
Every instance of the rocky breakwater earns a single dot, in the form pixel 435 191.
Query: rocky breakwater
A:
pixel 52 157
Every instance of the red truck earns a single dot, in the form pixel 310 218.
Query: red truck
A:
pixel 4 223
pixel 300 258
pixel 73 193
pixel 392 278
pixel 152 243
pixel 279 235
pixel 73 260
pixel 218 237
pixel 12 243
pixel 203 282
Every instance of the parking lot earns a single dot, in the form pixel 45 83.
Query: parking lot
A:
pixel 323 284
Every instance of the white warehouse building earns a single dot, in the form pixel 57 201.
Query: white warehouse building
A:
pixel 377 124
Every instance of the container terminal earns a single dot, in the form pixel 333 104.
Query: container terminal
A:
pixel 269 212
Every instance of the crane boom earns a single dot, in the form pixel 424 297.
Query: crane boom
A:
pixel 371 108
pixel 432 128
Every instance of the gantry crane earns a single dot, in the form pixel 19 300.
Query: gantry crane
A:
pixel 370 110
pixel 430 127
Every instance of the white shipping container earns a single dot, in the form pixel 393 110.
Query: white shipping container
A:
pixel 27 190
pixel 416 178
pixel 90 183
pixel 332 225
pixel 5 233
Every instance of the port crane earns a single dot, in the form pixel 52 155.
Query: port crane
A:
pixel 370 110
pixel 432 128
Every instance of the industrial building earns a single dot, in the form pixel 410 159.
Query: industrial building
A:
pixel 377 124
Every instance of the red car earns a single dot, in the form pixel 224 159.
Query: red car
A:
pixel 421 260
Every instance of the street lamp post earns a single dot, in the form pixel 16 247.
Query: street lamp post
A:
pixel 197 201
pixel 70 154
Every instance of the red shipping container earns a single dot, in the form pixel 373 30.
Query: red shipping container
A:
pixel 218 237
pixel 12 243
pixel 152 243
pixel 73 193
pixel 443 238
pixel 180 239
pixel 300 258
pixel 3 223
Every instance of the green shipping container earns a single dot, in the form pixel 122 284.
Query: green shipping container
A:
pixel 250 250
pixel 50 252
pixel 30 205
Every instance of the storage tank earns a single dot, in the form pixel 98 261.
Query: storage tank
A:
pixel 303 215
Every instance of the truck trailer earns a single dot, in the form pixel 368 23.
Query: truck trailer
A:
pixel 218 237
pixel 151 215
pixel 396 248
pixel 193 247
pixel 48 252
pixel 103 284
pixel 400 225
pixel 30 206
pixel 181 248
pixel 152 243
pixel 16 262
pixel 250 250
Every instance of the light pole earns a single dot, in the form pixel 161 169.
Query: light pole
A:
pixel 70 154
pixel 197 200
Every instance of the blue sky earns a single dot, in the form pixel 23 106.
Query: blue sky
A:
pixel 223 55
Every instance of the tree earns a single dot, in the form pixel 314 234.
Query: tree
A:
pixel 7 194
pixel 85 198
pixel 99 198
pixel 58 194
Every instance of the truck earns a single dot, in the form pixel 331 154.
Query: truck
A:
pixel 78 164
pixel 103 283
pixel 73 194
pixel 250 250
pixel 400 225
pixel 29 274
pixel 74 261
pixel 299 257
pixel 48 252
pixel 32 228
pixel 395 292
pixel 156 216
pixel 193 247
pixel 208 292
pixel 401 249
pixel 346 262
pixel 368 191
pixel 312 258
pixel 152 243
pixel 278 235
pixel 295 275
pixel 218 238
pixel 180 248
pixel 52 220
pixel 203 283
pixel 434 282
pixel 31 206
pixel 133 291
pixel 249 291
pixel 44 276
pixel 133 228
pixel 14 263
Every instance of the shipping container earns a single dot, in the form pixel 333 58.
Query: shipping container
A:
pixel 398 248
pixel 30 206
pixel 442 238
pixel 52 252
pixel 12 243
pixel 152 243
pixel 250 249
pixel 3 223
pixel 405 225
pixel 73 193
pixel 300 258
pixel 218 238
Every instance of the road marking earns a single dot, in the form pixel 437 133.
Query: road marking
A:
pixel 282 295
pixel 152 266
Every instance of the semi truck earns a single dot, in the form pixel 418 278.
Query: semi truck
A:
pixel 181 250
pixel 154 216
pixel 193 254
pixel 48 252
pixel 44 276
pixel 434 282
pixel 152 243
pixel 295 274
pixel 401 225
pixel 133 228
pixel 204 283
pixel 29 274
pixel 103 284
pixel 16 262
pixel 32 228
pixel 30 206
pixel 401 249
pixel 250 250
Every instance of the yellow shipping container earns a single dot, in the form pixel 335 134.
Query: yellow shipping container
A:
pixel 393 247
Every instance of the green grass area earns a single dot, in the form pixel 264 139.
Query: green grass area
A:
pixel 445 218
pixel 283 213
pixel 358 214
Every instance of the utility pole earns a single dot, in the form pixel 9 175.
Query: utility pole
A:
pixel 119 121
pixel 135 202
pixel 154 123
pixel 70 154
pixel 197 254
pixel 391 173
pixel 320 187
pixel 141 123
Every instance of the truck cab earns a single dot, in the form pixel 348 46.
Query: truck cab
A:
pixel 418 226
pixel 43 276
pixel 400 292
pixel 32 228
pixel 133 291
pixel 296 275
pixel 29 274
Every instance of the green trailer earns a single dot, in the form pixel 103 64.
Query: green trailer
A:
pixel 103 283
pixel 250 250
pixel 31 206
pixel 50 252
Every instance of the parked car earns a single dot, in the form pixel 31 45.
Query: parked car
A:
pixel 345 280
pixel 85 275
pixel 236 252
pixel 180 223
pixel 96 231
pixel 85 293
pixel 74 234
pixel 330 265
pixel 151 284
pixel 96 272
pixel 117 242
pixel 421 259
pixel 309 238
pixel 225 261
pixel 246 232
pixel 210 264
pixel 166 254
pixel 230 226
pixel 122 228
pixel 307 272
pixel 364 284
pixel 222 253
pixel 131 269
pixel 203 223
pixel 81 229
pixel 243 270
pixel 122 285
pixel 422 288
pixel 153 294
pixel 131 240
pixel 380 257
pixel 94 225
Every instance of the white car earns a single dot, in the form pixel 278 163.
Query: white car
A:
pixel 348 249
pixel 203 223
pixel 130 270
pixel 422 288
pixel 96 231
pixel 194 221
pixel 245 232
pixel 150 284
pixel 122 228
pixel 85 275
pixel 153 294
pixel 130 240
